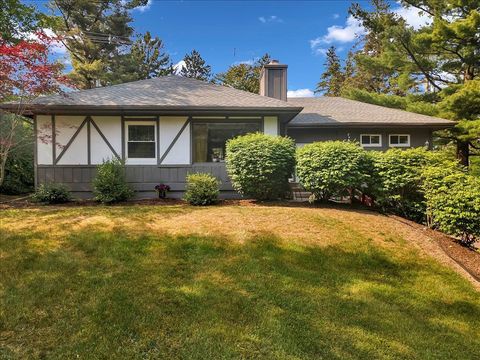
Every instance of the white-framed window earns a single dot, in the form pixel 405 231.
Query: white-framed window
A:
pixel 141 142
pixel 399 140
pixel 371 140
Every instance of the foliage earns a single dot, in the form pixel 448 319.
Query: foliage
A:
pixel 399 187
pixel 333 168
pixel 109 184
pixel 453 200
pixel 96 34
pixel 259 165
pixel 244 76
pixel 202 189
pixel 195 67
pixel 17 20
pixel 440 56
pixel 19 172
pixel 26 71
pixel 332 79
pixel 146 59
pixel 53 193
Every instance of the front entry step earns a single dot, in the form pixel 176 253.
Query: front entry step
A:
pixel 299 193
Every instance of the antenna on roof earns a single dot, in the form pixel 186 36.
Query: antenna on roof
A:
pixel 234 52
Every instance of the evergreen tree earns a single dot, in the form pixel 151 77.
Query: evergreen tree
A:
pixel 146 59
pixel 332 79
pixel 442 55
pixel 195 67
pixel 96 33
pixel 244 76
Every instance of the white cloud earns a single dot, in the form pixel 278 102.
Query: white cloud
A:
pixel 340 34
pixel 145 7
pixel 178 67
pixel 414 17
pixel 336 16
pixel 57 47
pixel 246 62
pixel 300 93
pixel 270 19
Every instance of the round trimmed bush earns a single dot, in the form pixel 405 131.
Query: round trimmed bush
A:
pixel 453 201
pixel 110 184
pixel 202 189
pixel 259 165
pixel 52 194
pixel 333 168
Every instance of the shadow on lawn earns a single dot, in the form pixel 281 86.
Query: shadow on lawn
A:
pixel 108 294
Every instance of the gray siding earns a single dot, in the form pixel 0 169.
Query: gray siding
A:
pixel 418 136
pixel 142 178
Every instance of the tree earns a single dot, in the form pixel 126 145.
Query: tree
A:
pixel 26 71
pixel 441 56
pixel 331 80
pixel 95 33
pixel 145 60
pixel 195 67
pixel 17 20
pixel 244 76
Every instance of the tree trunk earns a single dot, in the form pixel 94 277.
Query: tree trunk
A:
pixel 463 152
pixel 3 163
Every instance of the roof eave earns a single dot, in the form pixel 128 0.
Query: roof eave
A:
pixel 376 124
pixel 38 109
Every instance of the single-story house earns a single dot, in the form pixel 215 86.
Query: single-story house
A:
pixel 166 127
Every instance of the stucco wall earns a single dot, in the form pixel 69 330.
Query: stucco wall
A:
pixel 70 147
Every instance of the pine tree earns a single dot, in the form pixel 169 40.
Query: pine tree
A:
pixel 96 33
pixel 146 59
pixel 244 76
pixel 195 67
pixel 444 54
pixel 332 79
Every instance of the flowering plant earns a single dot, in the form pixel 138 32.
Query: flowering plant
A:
pixel 162 189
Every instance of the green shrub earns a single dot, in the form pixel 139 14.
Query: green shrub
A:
pixel 52 194
pixel 453 200
pixel 110 184
pixel 399 188
pixel 333 168
pixel 202 189
pixel 259 165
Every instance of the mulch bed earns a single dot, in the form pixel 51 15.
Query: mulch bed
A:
pixel 466 257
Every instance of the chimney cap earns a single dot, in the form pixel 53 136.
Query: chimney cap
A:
pixel 275 64
pixel 274 61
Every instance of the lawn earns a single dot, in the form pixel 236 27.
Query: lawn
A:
pixel 257 282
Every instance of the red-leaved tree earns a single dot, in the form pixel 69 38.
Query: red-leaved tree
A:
pixel 26 71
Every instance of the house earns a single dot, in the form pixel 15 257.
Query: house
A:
pixel 167 127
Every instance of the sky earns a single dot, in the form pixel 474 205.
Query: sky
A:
pixel 296 33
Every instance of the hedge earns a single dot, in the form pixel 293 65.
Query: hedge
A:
pixel 260 165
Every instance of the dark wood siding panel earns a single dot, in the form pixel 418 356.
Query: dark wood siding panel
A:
pixel 142 178
pixel 418 136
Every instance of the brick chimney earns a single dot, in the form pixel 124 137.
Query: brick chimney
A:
pixel 273 80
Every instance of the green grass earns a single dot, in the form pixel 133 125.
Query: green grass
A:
pixel 148 282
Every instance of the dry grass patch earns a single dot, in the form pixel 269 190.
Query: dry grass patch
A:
pixel 269 282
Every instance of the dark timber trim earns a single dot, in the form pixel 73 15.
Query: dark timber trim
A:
pixel 104 138
pixel 89 141
pixel 172 144
pixel 55 161
pixel 54 141
pixel 35 153
pixel 157 121
pixel 122 122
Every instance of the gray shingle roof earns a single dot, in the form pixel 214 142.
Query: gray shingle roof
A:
pixel 336 111
pixel 165 92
